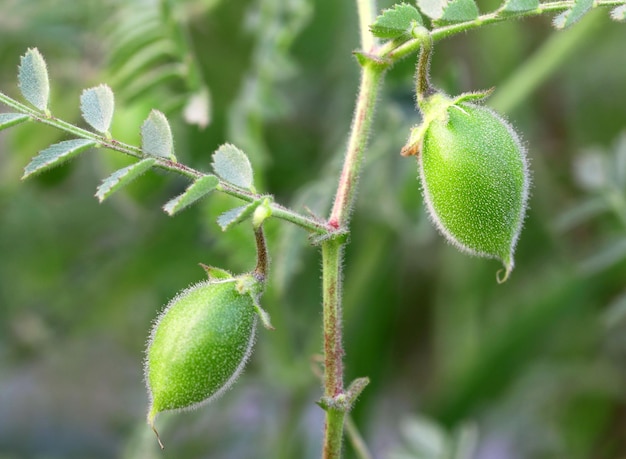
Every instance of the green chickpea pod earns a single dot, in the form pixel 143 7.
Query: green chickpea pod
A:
pixel 473 170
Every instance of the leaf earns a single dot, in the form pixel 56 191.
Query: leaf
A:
pixel 156 136
pixel 459 11
pixel 573 15
pixel 619 13
pixel 432 8
pixel 33 79
pixel 519 6
pixel 56 154
pixel 396 21
pixel 120 178
pixel 449 11
pixel 11 119
pixel 232 164
pixel 235 216
pixel 97 106
pixel 195 191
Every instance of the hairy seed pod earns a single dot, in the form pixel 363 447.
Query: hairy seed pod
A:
pixel 200 344
pixel 474 177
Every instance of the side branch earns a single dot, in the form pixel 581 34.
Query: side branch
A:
pixel 278 211
pixel 393 52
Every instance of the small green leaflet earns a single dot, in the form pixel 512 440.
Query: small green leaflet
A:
pixel 156 136
pixel 97 106
pixel 619 13
pixel 33 79
pixel 195 191
pixel 396 21
pixel 449 11
pixel 232 164
pixel 459 11
pixel 56 154
pixel 11 119
pixel 120 178
pixel 520 6
pixel 573 15
pixel 235 216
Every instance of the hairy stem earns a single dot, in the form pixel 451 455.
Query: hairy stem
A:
pixel 367 11
pixel 262 257
pixel 362 121
pixel 333 347
pixel 423 87
pixel 495 17
pixel 332 249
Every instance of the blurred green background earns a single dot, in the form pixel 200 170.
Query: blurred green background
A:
pixel 460 366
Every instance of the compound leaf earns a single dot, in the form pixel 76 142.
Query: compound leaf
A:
pixel 11 119
pixel 33 79
pixel 96 105
pixel 195 191
pixel 120 178
pixel 235 216
pixel 57 154
pixel 232 164
pixel 156 136
pixel 396 21
pixel 573 15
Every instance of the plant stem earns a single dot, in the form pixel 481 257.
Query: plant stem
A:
pixel 332 249
pixel 333 348
pixel 367 11
pixel 360 448
pixel 423 88
pixel 439 33
pixel 362 121
pixel 262 258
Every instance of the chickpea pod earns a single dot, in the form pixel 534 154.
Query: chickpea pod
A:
pixel 200 343
pixel 474 176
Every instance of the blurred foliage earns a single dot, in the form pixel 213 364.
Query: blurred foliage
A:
pixel 459 365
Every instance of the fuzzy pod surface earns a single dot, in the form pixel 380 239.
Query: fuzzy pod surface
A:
pixel 475 179
pixel 199 345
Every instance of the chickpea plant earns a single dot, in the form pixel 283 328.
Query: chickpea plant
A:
pixel 472 167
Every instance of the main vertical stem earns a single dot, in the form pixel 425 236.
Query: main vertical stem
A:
pixel 332 249
pixel 333 348
pixel 363 116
